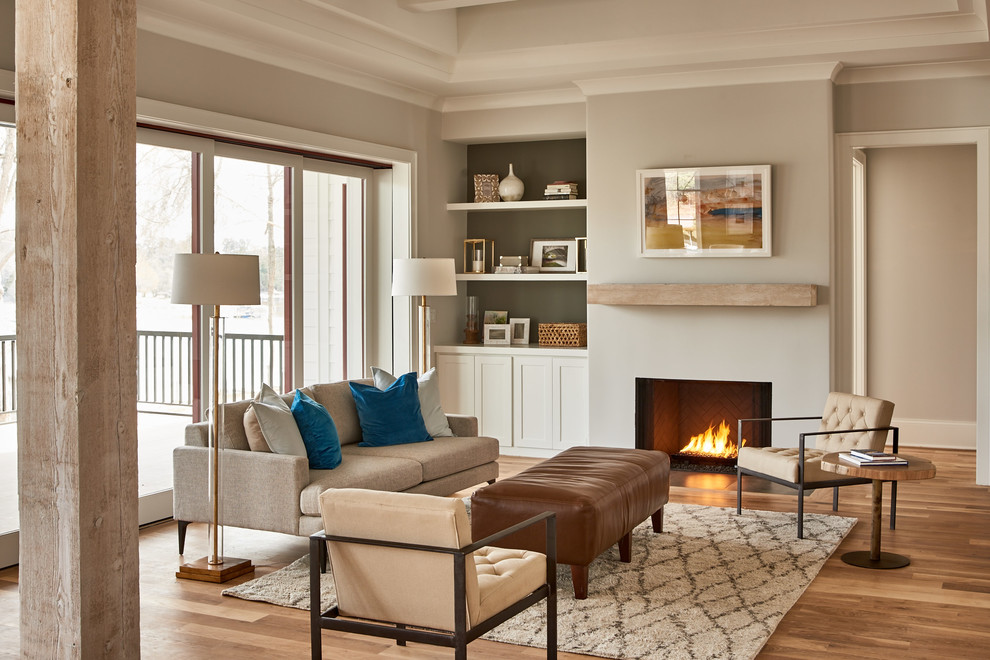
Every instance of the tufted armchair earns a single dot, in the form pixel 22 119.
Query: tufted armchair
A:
pixel 848 422
pixel 405 568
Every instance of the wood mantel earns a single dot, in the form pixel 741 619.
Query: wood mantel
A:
pixel 705 295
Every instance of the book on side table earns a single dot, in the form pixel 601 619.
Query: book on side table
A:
pixel 864 457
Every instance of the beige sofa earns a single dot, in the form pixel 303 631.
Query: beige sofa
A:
pixel 279 493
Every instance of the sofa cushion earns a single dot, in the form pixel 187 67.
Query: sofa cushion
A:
pixel 357 471
pixel 392 416
pixel 429 399
pixel 339 402
pixel 318 432
pixel 439 458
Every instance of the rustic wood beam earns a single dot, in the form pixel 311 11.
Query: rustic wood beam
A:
pixel 76 328
pixel 724 295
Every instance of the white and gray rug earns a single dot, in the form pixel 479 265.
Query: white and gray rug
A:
pixel 712 585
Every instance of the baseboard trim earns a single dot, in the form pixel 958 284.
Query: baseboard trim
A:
pixel 936 433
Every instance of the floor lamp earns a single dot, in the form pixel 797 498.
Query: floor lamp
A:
pixel 424 277
pixel 214 280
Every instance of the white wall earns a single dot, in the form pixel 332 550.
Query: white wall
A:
pixel 787 125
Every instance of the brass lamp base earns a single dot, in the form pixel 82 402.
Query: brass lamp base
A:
pixel 203 571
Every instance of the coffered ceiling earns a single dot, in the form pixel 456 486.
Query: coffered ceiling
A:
pixel 445 53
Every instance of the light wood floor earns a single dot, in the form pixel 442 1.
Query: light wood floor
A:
pixel 938 607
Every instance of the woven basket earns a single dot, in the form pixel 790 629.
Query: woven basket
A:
pixel 563 334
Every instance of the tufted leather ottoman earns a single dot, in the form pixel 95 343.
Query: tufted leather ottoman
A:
pixel 598 493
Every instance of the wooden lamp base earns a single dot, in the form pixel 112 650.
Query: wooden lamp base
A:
pixel 203 571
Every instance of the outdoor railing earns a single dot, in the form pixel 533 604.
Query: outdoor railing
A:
pixel 165 366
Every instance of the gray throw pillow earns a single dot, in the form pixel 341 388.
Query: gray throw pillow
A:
pixel 277 423
pixel 429 400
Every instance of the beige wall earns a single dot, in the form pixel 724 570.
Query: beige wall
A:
pixel 787 125
pixel 914 104
pixel 921 275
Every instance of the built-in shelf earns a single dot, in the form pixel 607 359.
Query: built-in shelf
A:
pixel 530 277
pixel 713 295
pixel 546 204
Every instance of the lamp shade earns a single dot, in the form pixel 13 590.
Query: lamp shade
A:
pixel 423 277
pixel 216 279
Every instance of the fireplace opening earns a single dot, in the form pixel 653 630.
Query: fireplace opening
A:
pixel 696 421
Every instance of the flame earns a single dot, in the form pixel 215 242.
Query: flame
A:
pixel 713 443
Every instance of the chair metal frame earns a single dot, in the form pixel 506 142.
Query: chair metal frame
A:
pixel 801 485
pixel 461 636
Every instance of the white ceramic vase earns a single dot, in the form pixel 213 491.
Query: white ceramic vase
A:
pixel 510 189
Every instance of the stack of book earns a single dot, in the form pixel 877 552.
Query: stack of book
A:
pixel 561 190
pixel 864 457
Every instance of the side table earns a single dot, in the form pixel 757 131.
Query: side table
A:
pixel 917 468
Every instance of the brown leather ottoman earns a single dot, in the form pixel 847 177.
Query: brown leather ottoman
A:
pixel 598 493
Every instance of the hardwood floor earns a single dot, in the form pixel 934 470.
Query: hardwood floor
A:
pixel 938 607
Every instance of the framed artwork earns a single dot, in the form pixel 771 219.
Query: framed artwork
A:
pixel 497 334
pixel 554 255
pixel 496 317
pixel 705 211
pixel 519 331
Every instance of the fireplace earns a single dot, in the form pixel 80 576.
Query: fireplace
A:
pixel 696 421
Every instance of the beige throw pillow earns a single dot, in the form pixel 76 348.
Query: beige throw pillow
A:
pixel 278 426
pixel 252 429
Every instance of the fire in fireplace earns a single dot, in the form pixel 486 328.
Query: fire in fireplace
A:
pixel 696 421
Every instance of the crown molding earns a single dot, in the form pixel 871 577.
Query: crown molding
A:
pixel 907 72
pixel 711 78
pixel 546 97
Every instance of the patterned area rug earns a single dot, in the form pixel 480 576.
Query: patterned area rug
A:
pixel 713 585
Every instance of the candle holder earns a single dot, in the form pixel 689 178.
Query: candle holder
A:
pixel 472 323
pixel 479 255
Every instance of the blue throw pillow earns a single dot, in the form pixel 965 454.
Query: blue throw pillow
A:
pixel 391 416
pixel 318 432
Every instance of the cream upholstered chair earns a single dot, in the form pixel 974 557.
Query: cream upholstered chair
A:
pixel 849 422
pixel 405 568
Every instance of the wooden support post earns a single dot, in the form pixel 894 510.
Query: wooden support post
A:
pixel 76 334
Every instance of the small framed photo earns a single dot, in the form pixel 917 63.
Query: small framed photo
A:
pixel 519 331
pixel 554 255
pixel 498 317
pixel 497 334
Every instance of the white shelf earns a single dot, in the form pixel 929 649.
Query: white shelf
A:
pixel 513 349
pixel 533 277
pixel 543 204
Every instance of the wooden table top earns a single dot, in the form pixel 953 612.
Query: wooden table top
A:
pixel 917 468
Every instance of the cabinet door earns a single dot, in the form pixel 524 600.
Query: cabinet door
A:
pixel 570 402
pixel 493 396
pixel 532 394
pixel 456 373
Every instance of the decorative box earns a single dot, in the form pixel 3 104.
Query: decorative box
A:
pixel 563 334
pixel 486 188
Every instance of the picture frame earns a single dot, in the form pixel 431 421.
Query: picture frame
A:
pixel 497 334
pixel 705 211
pixel 554 255
pixel 496 317
pixel 519 331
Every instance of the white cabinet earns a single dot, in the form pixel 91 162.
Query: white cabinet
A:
pixel 532 399
pixel 570 402
pixel 493 396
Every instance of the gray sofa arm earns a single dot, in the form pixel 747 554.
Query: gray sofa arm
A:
pixel 259 490
pixel 463 426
